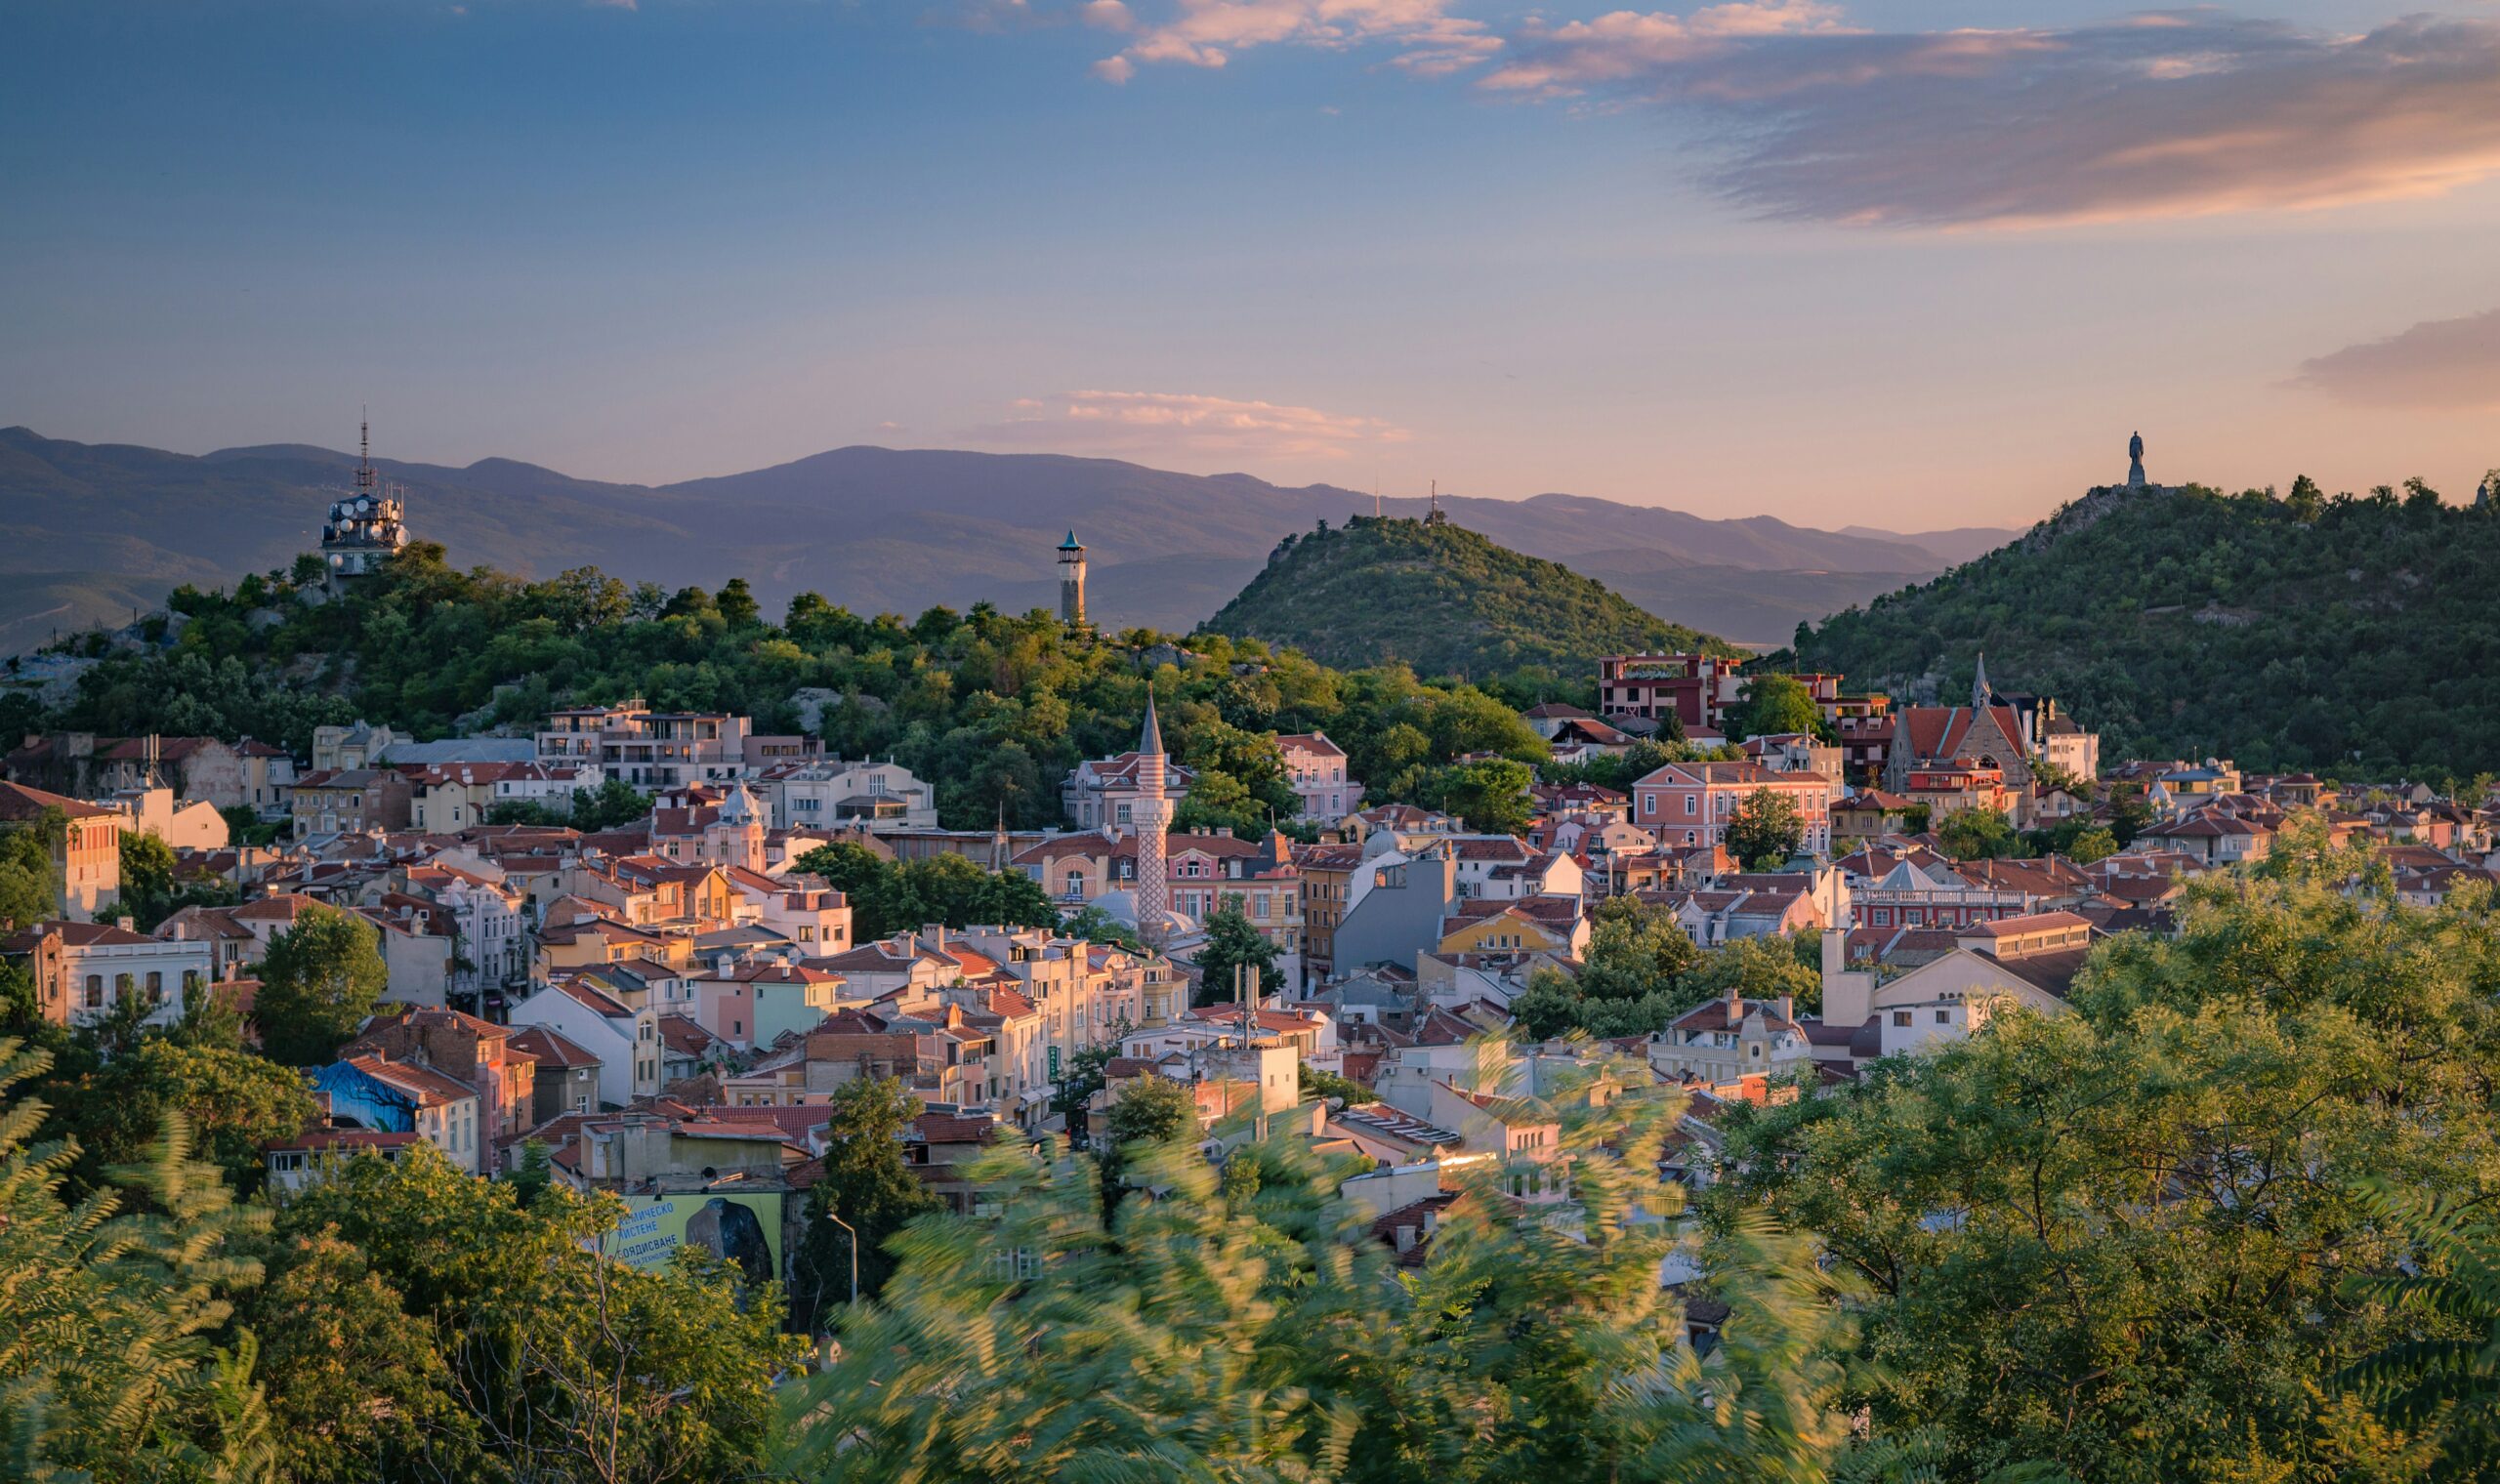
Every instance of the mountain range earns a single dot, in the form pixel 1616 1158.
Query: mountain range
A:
pixel 88 532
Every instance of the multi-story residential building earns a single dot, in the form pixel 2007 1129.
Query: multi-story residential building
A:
pixel 1105 792
pixel 549 785
pixel 567 1077
pixel 489 920
pixel 1327 875
pixel 351 802
pixel 86 857
pixel 407 1098
pixel 471 1052
pixel 1724 1039
pixel 1317 768
pixel 646 748
pixel 1688 805
pixel 83 972
pixel 1697 689
pixel 246 774
pixel 1945 790
pixel 829 793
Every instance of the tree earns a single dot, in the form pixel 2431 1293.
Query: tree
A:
pixel 866 1184
pixel 1094 926
pixel 1233 944
pixel 1318 1082
pixel 110 1369
pixel 356 1386
pixel 572 1366
pixel 319 981
pixel 612 803
pixel 29 884
pixel 1766 830
pixel 1977 835
pixel 1491 795
pixel 1775 706
pixel 2131 1241
pixel 2442 1378
pixel 1252 1330
pixel 230 1101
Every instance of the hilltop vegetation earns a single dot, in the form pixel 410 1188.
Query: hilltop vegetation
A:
pixel 993 710
pixel 1443 600
pixel 2343 633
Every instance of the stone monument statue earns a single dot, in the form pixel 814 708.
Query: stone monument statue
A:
pixel 2136 461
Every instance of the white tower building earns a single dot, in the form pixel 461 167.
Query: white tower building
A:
pixel 1071 580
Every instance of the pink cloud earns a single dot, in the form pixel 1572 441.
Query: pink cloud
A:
pixel 2190 113
pixel 1208 33
pixel 1188 423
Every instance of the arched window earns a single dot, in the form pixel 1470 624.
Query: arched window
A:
pixel 123 987
pixel 155 987
pixel 95 991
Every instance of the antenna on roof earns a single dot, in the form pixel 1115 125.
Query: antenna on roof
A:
pixel 364 451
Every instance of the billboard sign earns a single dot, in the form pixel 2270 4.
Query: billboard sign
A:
pixel 745 1228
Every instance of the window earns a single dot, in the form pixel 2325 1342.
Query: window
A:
pixel 1943 1017
pixel 155 987
pixel 95 991
pixel 1901 1017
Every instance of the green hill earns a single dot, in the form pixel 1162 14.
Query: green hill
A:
pixel 2353 635
pixel 1441 599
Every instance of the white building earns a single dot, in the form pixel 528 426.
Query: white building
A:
pixel 832 795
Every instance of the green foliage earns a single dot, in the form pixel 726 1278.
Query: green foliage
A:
pixel 110 1370
pixel 2442 1377
pixel 356 1386
pixel 1765 831
pixel 866 1184
pixel 149 890
pixel 230 1101
pixel 888 896
pixel 29 884
pixel 1977 834
pixel 1319 1083
pixel 1640 971
pixel 1775 705
pixel 554 1354
pixel 2123 1241
pixel 2307 633
pixel 1620 771
pixel 1094 926
pixel 1441 599
pixel 1254 1331
pixel 1491 795
pixel 994 710
pixel 1234 942
pixel 319 981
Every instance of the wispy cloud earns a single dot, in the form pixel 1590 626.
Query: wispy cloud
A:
pixel 2181 114
pixel 1172 422
pixel 1209 33
pixel 2438 365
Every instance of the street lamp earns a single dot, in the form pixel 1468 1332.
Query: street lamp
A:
pixel 854 1254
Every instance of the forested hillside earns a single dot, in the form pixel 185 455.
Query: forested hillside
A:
pixel 1443 600
pixel 991 708
pixel 2329 633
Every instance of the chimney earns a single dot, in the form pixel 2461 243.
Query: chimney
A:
pixel 1406 1239
pixel 1787 1007
pixel 125 923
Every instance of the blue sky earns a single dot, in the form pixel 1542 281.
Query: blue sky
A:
pixel 1905 264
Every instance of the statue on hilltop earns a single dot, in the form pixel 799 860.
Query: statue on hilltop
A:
pixel 2136 461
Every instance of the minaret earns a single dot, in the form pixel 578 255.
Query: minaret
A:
pixel 1071 580
pixel 1153 815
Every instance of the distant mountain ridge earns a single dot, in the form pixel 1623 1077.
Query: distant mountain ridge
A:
pixel 1443 600
pixel 93 530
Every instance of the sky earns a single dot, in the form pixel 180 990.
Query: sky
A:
pixel 1911 264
